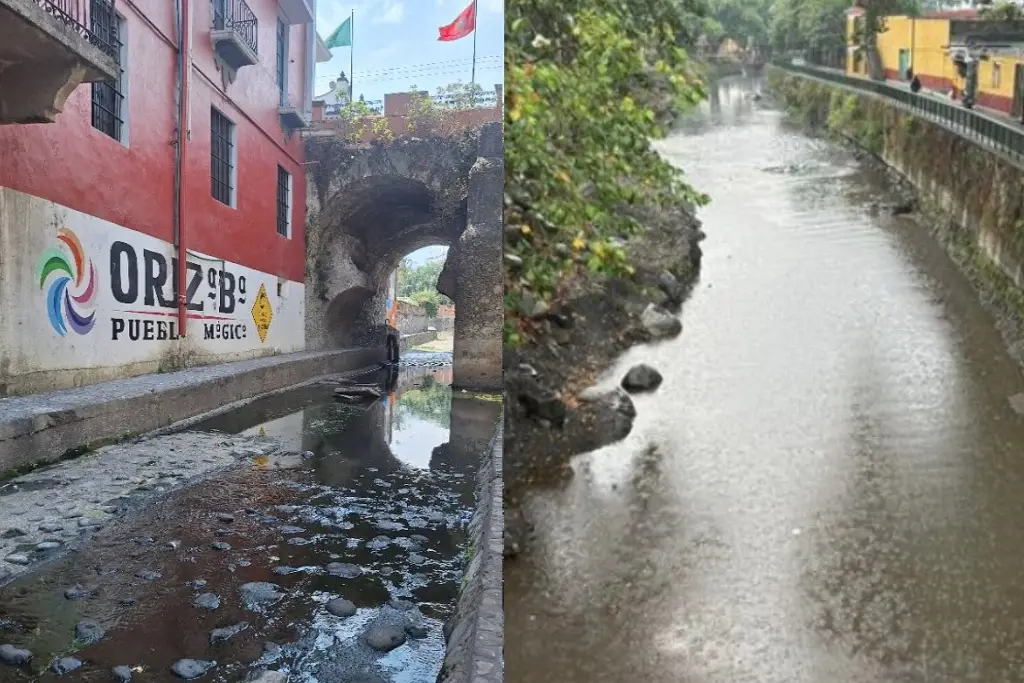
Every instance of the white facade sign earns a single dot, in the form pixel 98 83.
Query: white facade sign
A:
pixel 79 292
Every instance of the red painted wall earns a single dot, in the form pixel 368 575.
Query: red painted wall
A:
pixel 71 163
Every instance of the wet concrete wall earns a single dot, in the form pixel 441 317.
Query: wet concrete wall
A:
pixel 410 341
pixel 478 287
pixel 973 195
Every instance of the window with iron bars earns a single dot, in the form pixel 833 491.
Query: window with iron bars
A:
pixel 108 96
pixel 284 202
pixel 282 60
pixel 222 158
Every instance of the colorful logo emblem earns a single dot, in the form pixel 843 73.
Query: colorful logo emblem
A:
pixel 72 285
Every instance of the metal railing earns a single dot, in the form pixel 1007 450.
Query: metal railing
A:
pixel 1003 136
pixel 235 15
pixel 482 100
pixel 81 16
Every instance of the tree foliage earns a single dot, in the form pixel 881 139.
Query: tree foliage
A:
pixel 419 283
pixel 438 115
pixel 590 83
pixel 818 27
pixel 745 21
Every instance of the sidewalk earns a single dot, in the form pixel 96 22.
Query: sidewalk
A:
pixel 43 428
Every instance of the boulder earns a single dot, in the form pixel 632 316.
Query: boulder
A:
pixel 641 377
pixel 660 323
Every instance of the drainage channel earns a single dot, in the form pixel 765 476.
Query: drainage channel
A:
pixel 308 538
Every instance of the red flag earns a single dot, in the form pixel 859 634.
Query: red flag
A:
pixel 463 25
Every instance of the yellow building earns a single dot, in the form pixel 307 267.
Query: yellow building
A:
pixel 925 46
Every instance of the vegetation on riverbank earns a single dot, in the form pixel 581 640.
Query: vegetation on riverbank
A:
pixel 589 84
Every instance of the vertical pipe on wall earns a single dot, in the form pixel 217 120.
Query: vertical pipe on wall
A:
pixel 184 73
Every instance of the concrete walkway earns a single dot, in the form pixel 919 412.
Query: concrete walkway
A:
pixel 45 427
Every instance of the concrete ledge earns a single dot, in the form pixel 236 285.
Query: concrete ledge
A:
pixel 475 651
pixel 42 428
pixel 413 340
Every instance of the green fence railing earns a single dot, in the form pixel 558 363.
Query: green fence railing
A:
pixel 1006 137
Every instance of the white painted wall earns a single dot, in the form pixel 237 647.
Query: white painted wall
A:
pixel 134 317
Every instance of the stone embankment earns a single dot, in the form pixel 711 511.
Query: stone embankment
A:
pixel 476 634
pixel 553 410
pixel 43 428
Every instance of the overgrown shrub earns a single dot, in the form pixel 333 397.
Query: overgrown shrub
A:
pixel 588 88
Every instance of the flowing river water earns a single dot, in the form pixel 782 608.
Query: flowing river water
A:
pixel 828 487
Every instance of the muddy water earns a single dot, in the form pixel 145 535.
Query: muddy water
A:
pixel 384 493
pixel 829 485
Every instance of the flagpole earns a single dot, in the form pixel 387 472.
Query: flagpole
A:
pixel 472 77
pixel 351 58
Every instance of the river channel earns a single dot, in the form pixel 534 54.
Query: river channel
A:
pixel 326 522
pixel 828 487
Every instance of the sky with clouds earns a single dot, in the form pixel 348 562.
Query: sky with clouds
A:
pixel 396 45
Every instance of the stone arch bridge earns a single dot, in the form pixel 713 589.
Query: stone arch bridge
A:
pixel 371 205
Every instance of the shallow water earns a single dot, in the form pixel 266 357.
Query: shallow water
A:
pixel 388 490
pixel 828 487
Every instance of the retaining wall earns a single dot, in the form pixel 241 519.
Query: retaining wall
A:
pixel 475 651
pixel 413 340
pixel 973 195
pixel 44 427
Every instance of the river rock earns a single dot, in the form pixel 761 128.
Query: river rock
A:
pixel 344 570
pixel 47 545
pixel 672 288
pixel 384 638
pixel 89 631
pixel 17 558
pixel 417 631
pixel 659 323
pixel 190 669
pixel 221 634
pixel 51 528
pixel 220 545
pixel 641 377
pixel 207 601
pixel 76 592
pixel 65 665
pixel 15 656
pixel 259 593
pixel 122 674
pixel 147 575
pixel 270 677
pixel 340 607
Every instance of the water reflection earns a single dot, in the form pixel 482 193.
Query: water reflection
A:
pixel 386 496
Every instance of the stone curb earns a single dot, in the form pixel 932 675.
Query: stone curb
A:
pixel 41 428
pixel 475 651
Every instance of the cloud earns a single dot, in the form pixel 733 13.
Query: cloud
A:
pixel 392 13
pixel 495 6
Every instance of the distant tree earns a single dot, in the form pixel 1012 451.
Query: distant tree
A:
pixel 437 114
pixel 419 283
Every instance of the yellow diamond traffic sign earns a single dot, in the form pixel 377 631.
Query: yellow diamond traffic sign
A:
pixel 262 313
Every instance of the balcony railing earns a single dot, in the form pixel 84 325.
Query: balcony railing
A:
pixel 1003 136
pixel 235 15
pixel 87 18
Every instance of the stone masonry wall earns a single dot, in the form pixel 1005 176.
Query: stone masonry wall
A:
pixel 475 651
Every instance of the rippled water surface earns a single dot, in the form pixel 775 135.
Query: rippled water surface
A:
pixel 385 493
pixel 829 485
